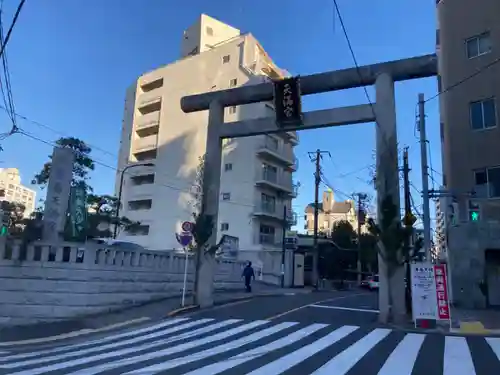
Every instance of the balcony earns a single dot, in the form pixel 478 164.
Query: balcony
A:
pixel 147 124
pixel 274 181
pixel 145 144
pixel 149 102
pixel 140 192
pixel 270 149
pixel 269 210
pixel 292 137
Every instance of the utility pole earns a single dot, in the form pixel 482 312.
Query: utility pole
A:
pixel 425 177
pixel 283 244
pixel 408 221
pixel 316 158
pixel 361 198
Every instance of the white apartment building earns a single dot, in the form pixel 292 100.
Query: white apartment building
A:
pixel 11 190
pixel 256 179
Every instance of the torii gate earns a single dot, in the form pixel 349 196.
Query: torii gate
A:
pixel 383 112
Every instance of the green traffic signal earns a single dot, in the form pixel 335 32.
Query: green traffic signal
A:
pixel 4 231
pixel 474 216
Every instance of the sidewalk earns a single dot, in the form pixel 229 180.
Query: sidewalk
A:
pixel 136 315
pixel 481 321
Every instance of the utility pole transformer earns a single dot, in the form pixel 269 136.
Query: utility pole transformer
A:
pixel 425 177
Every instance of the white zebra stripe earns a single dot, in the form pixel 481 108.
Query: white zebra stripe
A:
pixel 156 354
pixel 457 357
pixel 100 348
pixel 403 357
pixel 237 360
pixel 94 342
pixel 343 362
pixel 284 363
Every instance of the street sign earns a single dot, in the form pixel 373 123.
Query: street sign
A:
pixel 288 102
pixel 184 238
pixel 187 226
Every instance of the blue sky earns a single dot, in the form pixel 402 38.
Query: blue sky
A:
pixel 71 61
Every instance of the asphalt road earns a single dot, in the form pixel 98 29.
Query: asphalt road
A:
pixel 317 333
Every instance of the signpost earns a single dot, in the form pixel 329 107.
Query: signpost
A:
pixel 288 102
pixel 184 239
pixel 429 293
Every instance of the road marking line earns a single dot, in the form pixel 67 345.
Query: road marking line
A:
pixel 106 347
pixel 226 364
pixel 309 304
pixel 126 359
pixel 99 341
pixel 403 358
pixel 345 308
pixel 494 343
pixel 176 362
pixel 74 333
pixel 457 357
pixel 288 361
pixel 343 362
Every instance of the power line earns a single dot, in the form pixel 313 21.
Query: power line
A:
pixel 16 15
pixel 462 81
pixel 91 145
pixel 98 162
pixel 355 60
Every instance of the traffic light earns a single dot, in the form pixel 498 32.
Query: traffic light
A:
pixel 4 229
pixel 474 211
pixel 474 215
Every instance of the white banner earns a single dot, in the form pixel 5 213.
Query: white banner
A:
pixel 423 291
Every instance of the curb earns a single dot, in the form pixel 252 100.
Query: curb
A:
pixel 74 334
pixel 446 331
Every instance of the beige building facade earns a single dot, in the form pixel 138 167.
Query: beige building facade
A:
pixel 468 41
pixel 14 191
pixel 330 212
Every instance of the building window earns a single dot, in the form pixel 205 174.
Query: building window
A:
pixel 266 234
pixel 228 167
pixel 226 196
pixel 487 182
pixel 268 203
pixel 138 230
pixel 226 59
pixel 233 82
pixel 232 109
pixel 209 31
pixel 143 204
pixel 483 114
pixel 478 45
pixel 146 179
pixel 224 227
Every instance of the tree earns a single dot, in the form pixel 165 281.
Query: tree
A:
pixel 369 252
pixel 102 216
pixel 15 212
pixel 102 207
pixel 390 234
pixel 82 166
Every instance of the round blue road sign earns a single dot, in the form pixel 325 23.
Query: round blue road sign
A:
pixel 184 238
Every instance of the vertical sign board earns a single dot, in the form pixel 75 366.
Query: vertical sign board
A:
pixel 77 219
pixel 443 305
pixel 423 291
pixel 288 102
pixel 58 190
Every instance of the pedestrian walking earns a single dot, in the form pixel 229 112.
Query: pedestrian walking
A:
pixel 248 273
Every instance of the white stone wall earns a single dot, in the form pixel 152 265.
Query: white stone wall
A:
pixel 49 283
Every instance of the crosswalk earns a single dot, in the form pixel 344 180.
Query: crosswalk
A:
pixel 209 346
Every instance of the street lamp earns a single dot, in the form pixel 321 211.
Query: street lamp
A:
pixel 117 213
